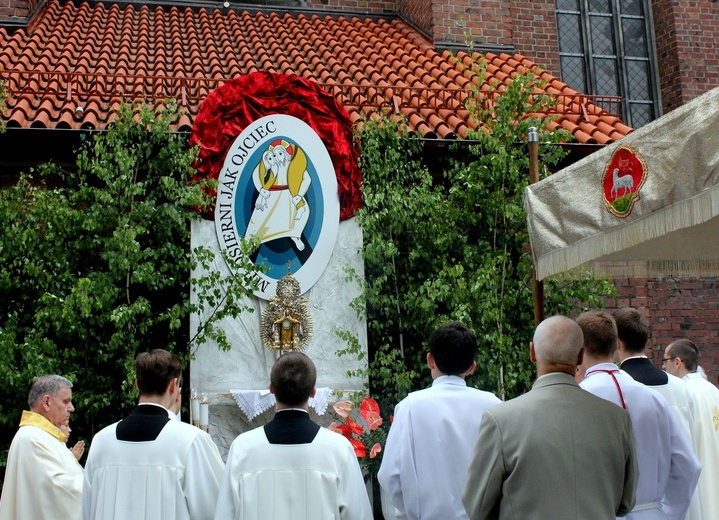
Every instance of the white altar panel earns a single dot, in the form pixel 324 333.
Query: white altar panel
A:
pixel 247 365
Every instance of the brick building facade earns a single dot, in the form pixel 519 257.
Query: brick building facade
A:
pixel 686 36
pixel 680 41
pixel 13 9
pixel 16 11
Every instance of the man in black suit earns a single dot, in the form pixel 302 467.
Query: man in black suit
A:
pixel 633 330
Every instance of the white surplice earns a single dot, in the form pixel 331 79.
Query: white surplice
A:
pixel 318 480
pixel 175 477
pixel 680 401
pixel 668 469
pixel 429 448
pixel 706 428
pixel 43 480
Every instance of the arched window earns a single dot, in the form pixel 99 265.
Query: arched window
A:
pixel 606 47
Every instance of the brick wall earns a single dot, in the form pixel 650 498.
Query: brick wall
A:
pixel 366 6
pixel 488 21
pixel 534 32
pixel 676 308
pixel 687 36
pixel 419 12
pixel 13 9
pixel 528 26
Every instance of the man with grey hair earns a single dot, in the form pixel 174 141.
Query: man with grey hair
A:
pixel 536 456
pixel 43 479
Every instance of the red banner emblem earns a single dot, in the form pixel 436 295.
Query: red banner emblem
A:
pixel 623 177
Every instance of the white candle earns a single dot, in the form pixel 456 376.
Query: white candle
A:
pixel 204 414
pixel 195 408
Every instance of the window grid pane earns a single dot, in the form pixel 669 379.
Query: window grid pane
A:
pixel 570 33
pixel 635 43
pixel 600 6
pixel 573 73
pixel 602 36
pixel 638 80
pixel 641 114
pixel 568 5
pixel 593 23
pixel 605 73
pixel 633 7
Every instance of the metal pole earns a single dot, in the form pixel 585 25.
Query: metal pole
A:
pixel 533 146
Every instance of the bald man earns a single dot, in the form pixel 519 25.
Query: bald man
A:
pixel 538 456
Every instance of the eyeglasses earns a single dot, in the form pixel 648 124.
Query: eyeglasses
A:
pixel 667 359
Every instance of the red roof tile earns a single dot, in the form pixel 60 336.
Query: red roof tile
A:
pixel 94 56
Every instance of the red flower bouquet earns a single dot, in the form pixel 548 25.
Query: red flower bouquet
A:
pixel 366 439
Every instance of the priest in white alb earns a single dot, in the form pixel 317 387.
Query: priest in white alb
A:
pixel 292 468
pixel 149 466
pixel 633 330
pixel 681 358
pixel 668 469
pixel 434 433
pixel 43 479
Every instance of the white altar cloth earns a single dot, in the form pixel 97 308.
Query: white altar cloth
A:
pixel 255 402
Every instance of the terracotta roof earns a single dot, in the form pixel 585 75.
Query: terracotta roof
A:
pixel 93 56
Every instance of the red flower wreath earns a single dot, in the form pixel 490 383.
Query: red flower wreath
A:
pixel 229 109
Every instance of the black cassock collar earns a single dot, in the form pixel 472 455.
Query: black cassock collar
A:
pixel 291 427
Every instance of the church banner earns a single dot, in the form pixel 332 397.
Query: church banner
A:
pixel 647 205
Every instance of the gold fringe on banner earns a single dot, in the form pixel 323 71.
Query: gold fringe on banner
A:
pixel 638 269
pixel 683 214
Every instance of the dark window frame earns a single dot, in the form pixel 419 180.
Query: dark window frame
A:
pixel 622 61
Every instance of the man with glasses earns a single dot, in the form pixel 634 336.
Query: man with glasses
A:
pixel 147 465
pixel 681 358
pixel 633 331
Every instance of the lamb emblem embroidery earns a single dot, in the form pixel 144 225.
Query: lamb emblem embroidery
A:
pixel 623 177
